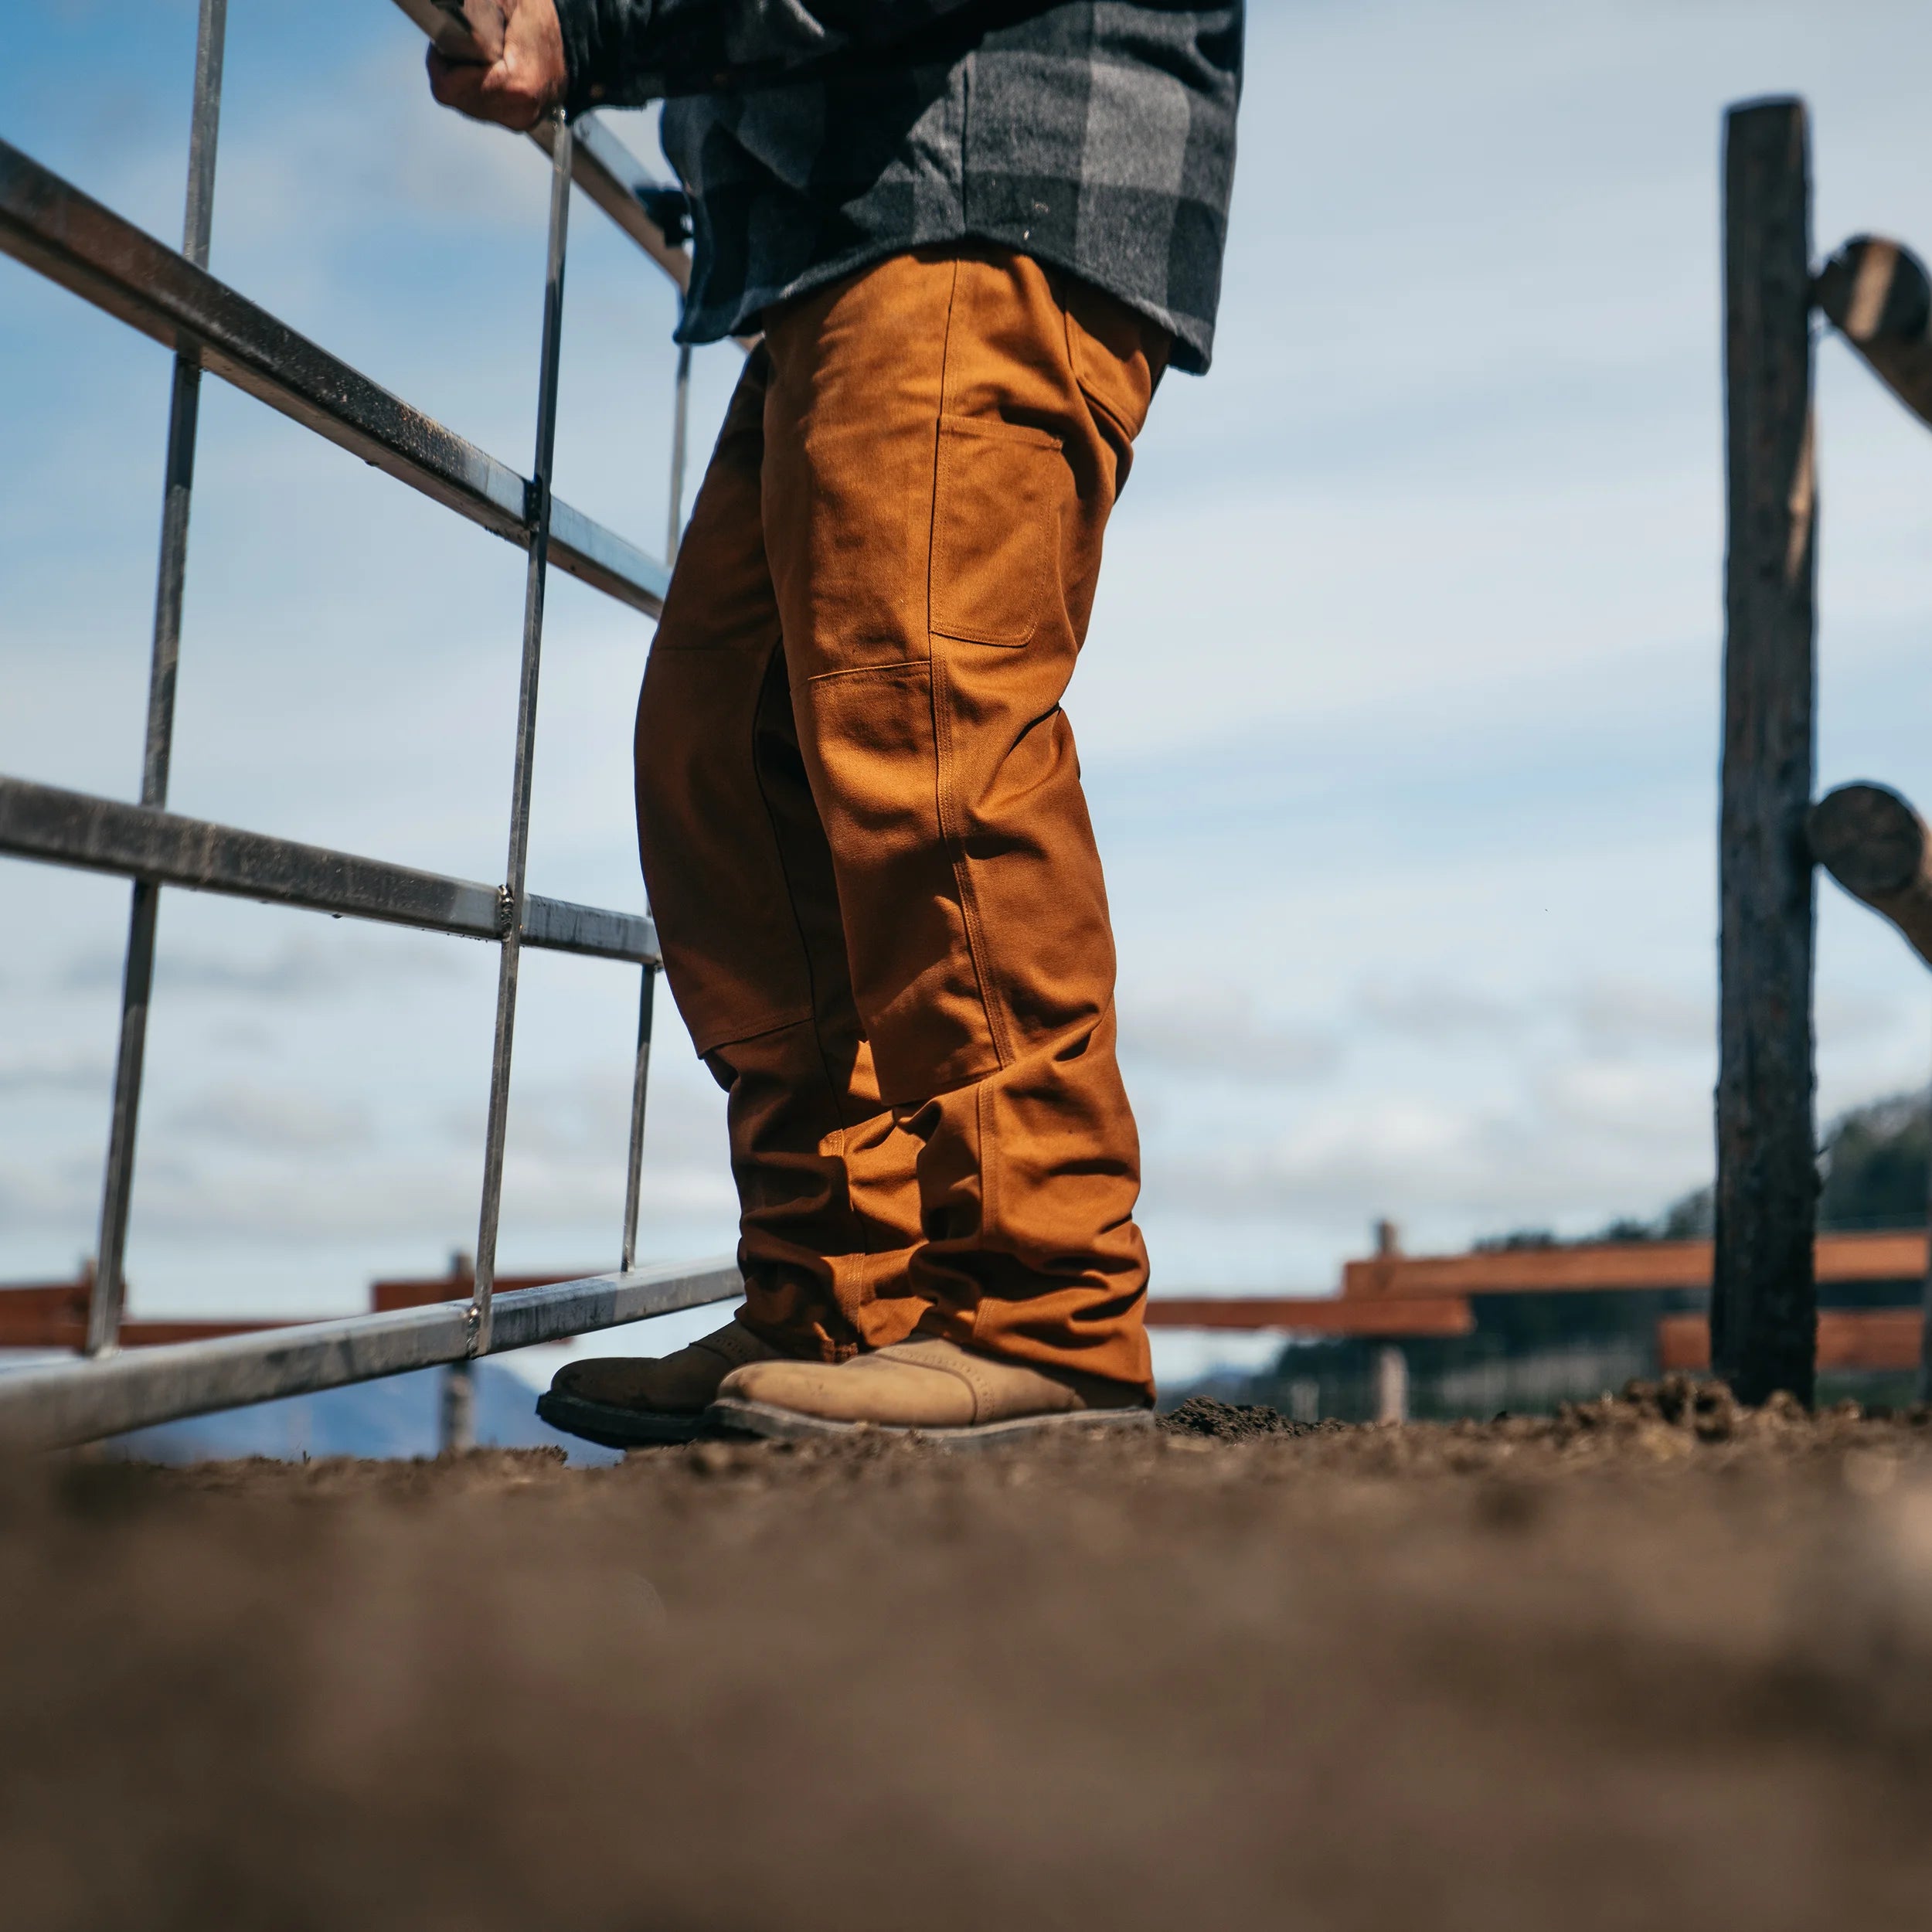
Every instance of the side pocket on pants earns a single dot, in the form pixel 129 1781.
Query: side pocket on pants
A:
pixel 996 529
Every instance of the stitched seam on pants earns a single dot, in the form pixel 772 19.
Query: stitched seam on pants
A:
pixel 911 667
pixel 939 697
pixel 981 1102
pixel 798 925
pixel 855 1241
pixel 764 1029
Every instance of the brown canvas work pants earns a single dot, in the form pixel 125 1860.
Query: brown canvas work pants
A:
pixel 861 817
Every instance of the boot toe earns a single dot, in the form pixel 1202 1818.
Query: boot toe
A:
pixel 619 1379
pixel 873 1389
pixel 784 1384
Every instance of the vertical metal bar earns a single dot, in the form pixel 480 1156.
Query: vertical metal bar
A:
pixel 634 1172
pixel 105 1305
pixel 680 417
pixel 560 149
pixel 1763 1295
pixel 673 532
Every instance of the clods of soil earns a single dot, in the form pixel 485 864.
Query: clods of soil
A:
pixel 1228 1421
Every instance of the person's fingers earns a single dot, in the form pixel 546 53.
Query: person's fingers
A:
pixel 478 92
pixel 517 89
pixel 454 84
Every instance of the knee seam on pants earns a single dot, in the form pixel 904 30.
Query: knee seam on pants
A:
pixel 938 697
pixel 785 871
pixel 764 1030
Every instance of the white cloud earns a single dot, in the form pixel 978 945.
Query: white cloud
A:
pixel 1653 1106
pixel 26 1069
pixel 299 970
pixel 269 1120
pixel 1218 1033
pixel 1439 1010
pixel 1632 1014
pixel 195 1189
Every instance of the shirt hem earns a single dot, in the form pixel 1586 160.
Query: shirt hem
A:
pixel 1193 339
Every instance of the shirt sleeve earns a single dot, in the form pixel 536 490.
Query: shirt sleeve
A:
pixel 623 52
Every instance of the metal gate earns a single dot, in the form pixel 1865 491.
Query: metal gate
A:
pixel 50 224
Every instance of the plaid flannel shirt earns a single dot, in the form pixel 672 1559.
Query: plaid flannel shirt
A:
pixel 815 137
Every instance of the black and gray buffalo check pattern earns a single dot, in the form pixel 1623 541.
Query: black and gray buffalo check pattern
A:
pixel 817 136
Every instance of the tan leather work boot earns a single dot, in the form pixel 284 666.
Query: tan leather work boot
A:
pixel 624 1401
pixel 935 1389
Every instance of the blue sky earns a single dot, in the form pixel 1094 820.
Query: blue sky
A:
pixel 1399 711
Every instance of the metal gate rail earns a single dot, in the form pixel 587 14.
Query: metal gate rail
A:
pixel 79 1400
pixel 52 227
pixel 103 834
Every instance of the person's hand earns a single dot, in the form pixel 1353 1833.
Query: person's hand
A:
pixel 524 82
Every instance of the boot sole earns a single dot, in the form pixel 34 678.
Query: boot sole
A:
pixel 765 1419
pixel 612 1427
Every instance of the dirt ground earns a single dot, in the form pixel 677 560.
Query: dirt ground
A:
pixel 1655 1662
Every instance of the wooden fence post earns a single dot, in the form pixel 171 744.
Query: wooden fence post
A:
pixel 1392 1384
pixel 1763 1298
pixel 456 1408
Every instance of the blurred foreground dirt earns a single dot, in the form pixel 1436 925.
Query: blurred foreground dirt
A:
pixel 1651 1663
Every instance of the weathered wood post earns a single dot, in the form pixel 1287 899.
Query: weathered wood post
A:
pixel 1872 843
pixel 456 1410
pixel 1392 1384
pixel 456 1387
pixel 1763 1298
